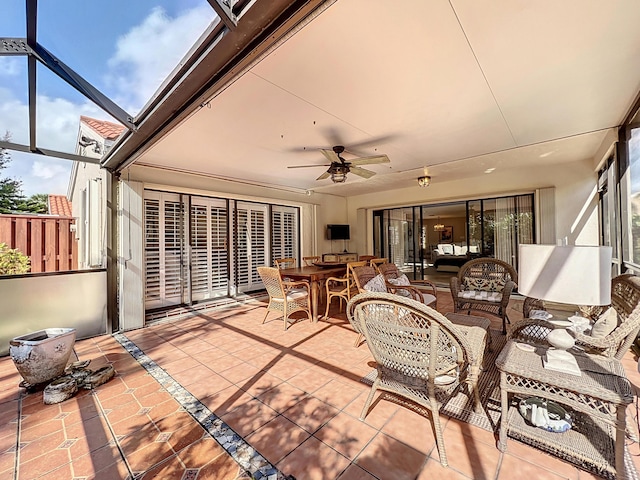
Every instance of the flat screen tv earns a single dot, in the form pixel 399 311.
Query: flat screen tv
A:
pixel 338 232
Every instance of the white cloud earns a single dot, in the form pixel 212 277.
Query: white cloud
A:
pixel 47 170
pixel 10 66
pixel 147 54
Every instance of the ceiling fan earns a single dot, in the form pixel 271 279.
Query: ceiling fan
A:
pixel 339 167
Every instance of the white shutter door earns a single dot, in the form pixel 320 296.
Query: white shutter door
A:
pixel 252 245
pixel 209 256
pixel 163 249
pixel 284 232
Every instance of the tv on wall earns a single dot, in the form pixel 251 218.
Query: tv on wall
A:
pixel 338 232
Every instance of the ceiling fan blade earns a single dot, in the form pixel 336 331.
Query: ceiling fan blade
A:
pixel 363 172
pixel 306 166
pixel 323 176
pixel 370 160
pixel 330 155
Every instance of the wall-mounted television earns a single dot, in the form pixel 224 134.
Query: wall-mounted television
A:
pixel 338 232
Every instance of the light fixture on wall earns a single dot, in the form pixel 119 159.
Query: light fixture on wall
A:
pixel 438 227
pixel 424 181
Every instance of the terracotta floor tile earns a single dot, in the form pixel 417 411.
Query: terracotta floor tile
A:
pixel 41 446
pixel 247 418
pixel 433 469
pixel 117 470
pixel 354 472
pixel 477 433
pixel 379 412
pixel 59 473
pixel 138 438
pixel 91 463
pixel 259 384
pixel 199 453
pixel 226 400
pixel 309 380
pixel 282 397
pixel 118 401
pixel 311 413
pixel 163 409
pixel 413 429
pixel 36 467
pixel 119 413
pixel 129 424
pixel 38 430
pixel 111 389
pixel 154 398
pixel 337 393
pixel 222 467
pixel 7 461
pixel 149 455
pixel 169 469
pixel 469 456
pixel 539 458
pixel 346 435
pixel 386 457
pixel 186 435
pixel 322 464
pixel 513 467
pixel 277 438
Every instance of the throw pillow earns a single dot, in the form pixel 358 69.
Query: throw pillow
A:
pixel 401 280
pixel 605 324
pixel 481 284
pixel 376 284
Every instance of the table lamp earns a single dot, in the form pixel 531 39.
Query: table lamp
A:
pixel 572 274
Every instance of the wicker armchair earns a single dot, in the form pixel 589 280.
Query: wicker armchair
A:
pixel 625 299
pixel 427 291
pixel 376 262
pixel 309 261
pixel 341 287
pixel 285 296
pixel 419 354
pixel 282 263
pixel 485 285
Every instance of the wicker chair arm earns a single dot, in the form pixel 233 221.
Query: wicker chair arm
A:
pixel 290 285
pixel 506 292
pixel 425 284
pixel 414 292
pixel 454 283
pixel 530 330
pixel 344 280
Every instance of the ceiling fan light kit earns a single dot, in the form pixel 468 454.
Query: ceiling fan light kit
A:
pixel 424 181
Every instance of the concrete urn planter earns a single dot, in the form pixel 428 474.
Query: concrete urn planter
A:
pixel 43 355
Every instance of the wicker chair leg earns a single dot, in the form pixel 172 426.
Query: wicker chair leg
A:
pixel 437 426
pixel 265 315
pixel 367 404
pixel 358 340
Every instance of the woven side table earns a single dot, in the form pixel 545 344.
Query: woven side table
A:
pixel 601 394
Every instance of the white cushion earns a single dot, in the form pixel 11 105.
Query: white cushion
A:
pixel 445 248
pixel 296 294
pixel 376 284
pixel 458 250
pixel 474 249
pixel 428 299
pixel 481 295
pixel 605 324
pixel 401 280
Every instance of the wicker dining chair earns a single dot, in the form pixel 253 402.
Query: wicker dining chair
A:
pixel 285 296
pixel 309 261
pixel 485 285
pixel 419 354
pixel 341 287
pixel 376 262
pixel 366 258
pixel 283 263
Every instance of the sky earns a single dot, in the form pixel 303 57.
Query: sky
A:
pixel 126 51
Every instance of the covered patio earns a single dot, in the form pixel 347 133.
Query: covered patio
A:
pixel 292 401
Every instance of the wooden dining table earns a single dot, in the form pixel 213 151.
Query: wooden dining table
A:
pixel 315 275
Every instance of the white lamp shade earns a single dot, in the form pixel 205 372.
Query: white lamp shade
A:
pixel 579 275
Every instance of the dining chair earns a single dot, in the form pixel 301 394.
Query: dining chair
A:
pixel 309 261
pixel 282 263
pixel 376 262
pixel 342 287
pixel 284 295
pixel 421 290
pixel 366 258
pixel 420 355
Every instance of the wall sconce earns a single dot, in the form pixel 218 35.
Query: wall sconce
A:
pixel 424 181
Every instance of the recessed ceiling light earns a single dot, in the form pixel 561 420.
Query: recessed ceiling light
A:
pixel 489 170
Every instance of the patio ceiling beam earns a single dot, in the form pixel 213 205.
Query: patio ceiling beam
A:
pixel 48 153
pixel 227 54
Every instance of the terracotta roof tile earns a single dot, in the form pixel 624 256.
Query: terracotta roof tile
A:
pixel 59 205
pixel 107 130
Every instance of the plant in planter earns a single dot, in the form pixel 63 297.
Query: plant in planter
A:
pixel 13 261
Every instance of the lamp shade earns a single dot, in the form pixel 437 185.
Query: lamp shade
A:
pixel 579 275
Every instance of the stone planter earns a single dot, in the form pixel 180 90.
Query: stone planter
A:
pixel 43 355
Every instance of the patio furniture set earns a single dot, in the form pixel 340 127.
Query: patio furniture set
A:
pixel 427 357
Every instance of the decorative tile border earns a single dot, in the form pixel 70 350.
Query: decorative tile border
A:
pixel 243 453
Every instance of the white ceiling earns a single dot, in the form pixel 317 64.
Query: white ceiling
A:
pixel 457 86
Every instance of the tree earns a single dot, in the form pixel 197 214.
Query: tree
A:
pixel 38 203
pixel 10 188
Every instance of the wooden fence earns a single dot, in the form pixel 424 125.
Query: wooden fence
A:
pixel 47 240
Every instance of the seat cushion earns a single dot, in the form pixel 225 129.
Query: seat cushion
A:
pixel 296 294
pixel 481 295
pixel 605 324
pixel 376 284
pixel 428 299
pixel 401 280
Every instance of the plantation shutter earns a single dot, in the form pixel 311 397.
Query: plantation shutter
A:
pixel 251 244
pixel 209 255
pixel 284 232
pixel 163 249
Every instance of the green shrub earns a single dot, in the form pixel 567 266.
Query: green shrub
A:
pixel 12 261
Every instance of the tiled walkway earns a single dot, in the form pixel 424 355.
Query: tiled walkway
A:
pixel 293 396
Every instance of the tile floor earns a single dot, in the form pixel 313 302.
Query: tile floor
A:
pixel 293 396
